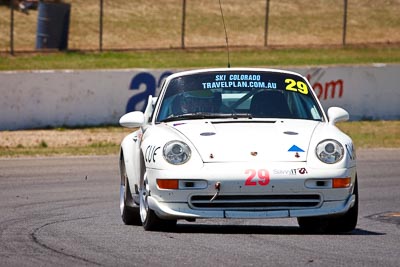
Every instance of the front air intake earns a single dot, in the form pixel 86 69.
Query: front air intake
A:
pixel 255 202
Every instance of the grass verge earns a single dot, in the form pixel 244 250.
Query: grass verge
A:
pixel 198 59
pixel 373 134
pixel 106 140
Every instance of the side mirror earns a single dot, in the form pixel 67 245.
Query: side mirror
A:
pixel 336 114
pixel 132 119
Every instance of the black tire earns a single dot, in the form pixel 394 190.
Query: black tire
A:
pixel 149 219
pixel 346 222
pixel 154 223
pixel 129 210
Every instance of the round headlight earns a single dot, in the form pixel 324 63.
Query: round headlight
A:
pixel 176 152
pixel 329 151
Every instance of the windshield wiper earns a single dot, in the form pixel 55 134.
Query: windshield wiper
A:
pixel 206 115
pixel 241 115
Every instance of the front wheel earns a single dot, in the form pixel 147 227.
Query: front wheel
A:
pixel 346 222
pixel 149 219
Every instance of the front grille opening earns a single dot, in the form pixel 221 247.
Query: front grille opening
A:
pixel 258 202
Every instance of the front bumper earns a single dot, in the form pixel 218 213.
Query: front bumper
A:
pixel 183 211
pixel 297 191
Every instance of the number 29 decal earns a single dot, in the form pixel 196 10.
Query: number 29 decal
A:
pixel 298 86
pixel 257 177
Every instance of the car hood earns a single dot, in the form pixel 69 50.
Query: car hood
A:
pixel 239 141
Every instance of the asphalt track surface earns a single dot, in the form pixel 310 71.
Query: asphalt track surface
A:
pixel 65 212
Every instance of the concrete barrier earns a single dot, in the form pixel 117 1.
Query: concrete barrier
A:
pixel 37 99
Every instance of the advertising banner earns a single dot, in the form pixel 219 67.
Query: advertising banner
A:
pixel 38 99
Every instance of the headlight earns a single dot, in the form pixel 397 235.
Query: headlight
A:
pixel 329 151
pixel 176 152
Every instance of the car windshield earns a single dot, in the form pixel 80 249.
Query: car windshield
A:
pixel 238 94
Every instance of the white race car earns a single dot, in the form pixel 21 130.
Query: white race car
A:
pixel 238 143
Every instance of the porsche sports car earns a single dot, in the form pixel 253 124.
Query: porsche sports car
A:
pixel 238 143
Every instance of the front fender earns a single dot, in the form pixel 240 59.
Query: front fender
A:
pixel 326 131
pixel 131 155
pixel 154 140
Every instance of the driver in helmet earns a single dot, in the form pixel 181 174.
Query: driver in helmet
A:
pixel 194 101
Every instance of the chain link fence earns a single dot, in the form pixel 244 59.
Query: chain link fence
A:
pixel 173 24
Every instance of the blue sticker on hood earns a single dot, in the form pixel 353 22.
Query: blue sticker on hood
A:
pixel 295 148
